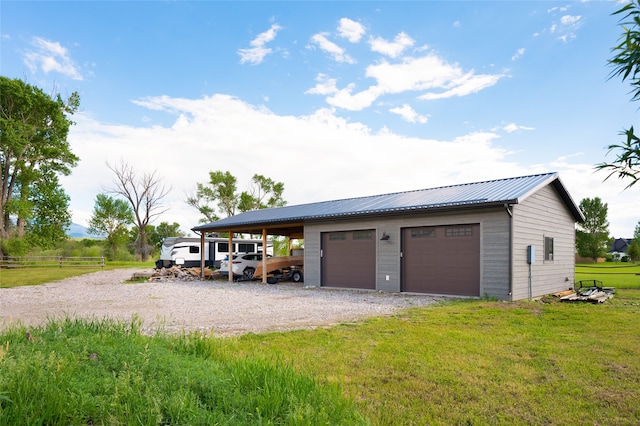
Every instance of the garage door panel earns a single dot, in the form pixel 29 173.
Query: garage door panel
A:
pixel 441 260
pixel 348 259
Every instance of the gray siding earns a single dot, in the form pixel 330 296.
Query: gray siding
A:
pixel 494 246
pixel 542 215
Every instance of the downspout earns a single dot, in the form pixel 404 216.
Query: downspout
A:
pixel 509 210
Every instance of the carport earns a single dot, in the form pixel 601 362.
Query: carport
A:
pixel 292 230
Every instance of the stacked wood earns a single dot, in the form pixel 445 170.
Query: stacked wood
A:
pixel 588 294
pixel 178 273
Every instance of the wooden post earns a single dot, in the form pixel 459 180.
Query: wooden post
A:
pixel 230 257
pixel 264 255
pixel 202 256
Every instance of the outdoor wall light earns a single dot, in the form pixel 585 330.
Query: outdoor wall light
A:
pixel 384 237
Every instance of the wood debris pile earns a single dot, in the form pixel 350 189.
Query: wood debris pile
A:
pixel 177 273
pixel 590 294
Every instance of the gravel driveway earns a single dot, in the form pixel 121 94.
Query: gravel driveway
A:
pixel 209 306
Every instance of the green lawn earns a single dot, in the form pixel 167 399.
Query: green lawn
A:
pixel 35 275
pixel 472 362
pixel 619 275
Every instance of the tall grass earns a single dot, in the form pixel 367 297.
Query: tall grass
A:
pixel 103 372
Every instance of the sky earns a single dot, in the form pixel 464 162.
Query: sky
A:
pixel 336 99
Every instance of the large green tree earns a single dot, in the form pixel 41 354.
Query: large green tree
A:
pixel 626 64
pixel 50 216
pixel 592 237
pixel 111 217
pixel 33 147
pixel 220 196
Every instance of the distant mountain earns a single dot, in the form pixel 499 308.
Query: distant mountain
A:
pixel 79 231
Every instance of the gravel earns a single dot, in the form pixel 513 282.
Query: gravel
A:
pixel 218 307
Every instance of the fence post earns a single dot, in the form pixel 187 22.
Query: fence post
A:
pixel 60 260
pixel 102 262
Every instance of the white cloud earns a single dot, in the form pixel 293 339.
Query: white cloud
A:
pixel 337 53
pixel 345 98
pixel 211 134
pixel 570 20
pixel 324 85
pixel 518 54
pixel 351 30
pixel 392 49
pixel 411 74
pixel 50 56
pixel 258 51
pixel 513 127
pixel 465 85
pixel 409 114
pixel 565 30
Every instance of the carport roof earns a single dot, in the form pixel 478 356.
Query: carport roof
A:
pixel 478 194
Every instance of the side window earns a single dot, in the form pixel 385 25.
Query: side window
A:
pixel 223 247
pixel 548 248
pixel 194 249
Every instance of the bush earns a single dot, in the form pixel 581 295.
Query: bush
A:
pixel 14 247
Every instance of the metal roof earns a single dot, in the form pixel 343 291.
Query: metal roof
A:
pixel 478 194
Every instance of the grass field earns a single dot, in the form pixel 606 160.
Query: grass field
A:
pixel 34 276
pixel 471 362
pixel 619 275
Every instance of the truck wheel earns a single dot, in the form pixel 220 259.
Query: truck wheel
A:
pixel 296 276
pixel 272 280
pixel 248 273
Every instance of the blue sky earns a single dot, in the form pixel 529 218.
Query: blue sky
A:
pixel 335 99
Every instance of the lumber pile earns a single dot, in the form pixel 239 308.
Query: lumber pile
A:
pixel 587 294
pixel 177 273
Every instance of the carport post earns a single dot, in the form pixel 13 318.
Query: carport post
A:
pixel 264 255
pixel 230 257
pixel 202 256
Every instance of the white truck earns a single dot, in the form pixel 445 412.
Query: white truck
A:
pixel 185 251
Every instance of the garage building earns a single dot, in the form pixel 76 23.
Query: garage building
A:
pixel 510 238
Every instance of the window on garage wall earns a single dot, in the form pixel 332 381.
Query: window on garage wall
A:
pixel 423 233
pixel 459 231
pixel 548 248
pixel 362 235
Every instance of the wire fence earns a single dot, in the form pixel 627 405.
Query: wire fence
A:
pixel 50 261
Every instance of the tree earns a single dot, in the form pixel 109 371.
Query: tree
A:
pixel 111 217
pixel 634 248
pixel 50 217
pixel 144 193
pixel 220 195
pixel 593 239
pixel 157 234
pixel 33 145
pixel 626 64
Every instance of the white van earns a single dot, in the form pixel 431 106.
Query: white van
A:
pixel 185 251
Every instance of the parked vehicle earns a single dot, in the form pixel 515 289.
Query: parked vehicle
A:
pixel 243 265
pixel 185 251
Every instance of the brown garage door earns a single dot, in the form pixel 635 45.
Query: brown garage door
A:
pixel 349 259
pixel 441 260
